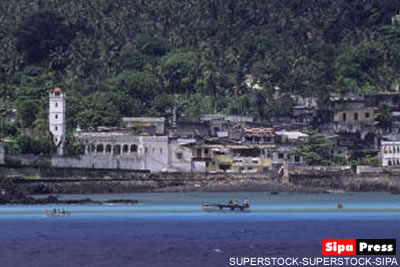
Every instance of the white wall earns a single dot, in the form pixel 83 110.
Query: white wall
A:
pixel 2 162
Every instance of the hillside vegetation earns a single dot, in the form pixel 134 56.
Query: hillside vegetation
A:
pixel 141 57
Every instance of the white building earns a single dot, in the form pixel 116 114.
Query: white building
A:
pixel 121 150
pixel 2 162
pixel 390 152
pixel 57 120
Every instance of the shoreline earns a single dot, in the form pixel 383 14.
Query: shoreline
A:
pixel 18 183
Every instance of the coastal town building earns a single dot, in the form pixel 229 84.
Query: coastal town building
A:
pixel 2 155
pixel 57 118
pixel 390 152
pixel 220 124
pixel 283 152
pixel 228 143
pixel 122 150
pixel 153 125
pixel 233 158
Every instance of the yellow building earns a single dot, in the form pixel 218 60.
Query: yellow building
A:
pixel 234 158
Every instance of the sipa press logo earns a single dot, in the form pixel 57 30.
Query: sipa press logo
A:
pixel 358 246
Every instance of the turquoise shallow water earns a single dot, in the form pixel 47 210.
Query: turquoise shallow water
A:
pixel 171 229
pixel 262 205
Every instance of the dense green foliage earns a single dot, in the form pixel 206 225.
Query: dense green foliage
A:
pixel 33 144
pixel 141 57
pixel 316 150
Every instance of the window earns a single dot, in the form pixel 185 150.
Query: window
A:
pixel 56 116
pixel 207 164
pixel 281 155
pixel 344 116
pixel 366 114
pixel 206 151
pixel 179 155
pixel 100 148
pixel 146 149
pixel 356 116
pixel 133 148
pixel 56 128
pixel 125 148
pixel 56 140
pixel 296 159
pixel 56 104
pixel 108 148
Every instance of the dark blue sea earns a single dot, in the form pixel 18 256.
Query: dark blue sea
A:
pixel 171 229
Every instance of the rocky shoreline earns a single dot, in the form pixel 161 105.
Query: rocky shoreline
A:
pixel 18 184
pixel 11 194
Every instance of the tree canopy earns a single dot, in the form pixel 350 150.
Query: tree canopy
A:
pixel 139 57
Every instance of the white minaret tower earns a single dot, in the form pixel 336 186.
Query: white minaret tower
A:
pixel 57 121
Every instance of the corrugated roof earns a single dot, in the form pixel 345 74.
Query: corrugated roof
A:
pixel 259 131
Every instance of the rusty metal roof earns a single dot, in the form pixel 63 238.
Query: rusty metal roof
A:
pixel 259 132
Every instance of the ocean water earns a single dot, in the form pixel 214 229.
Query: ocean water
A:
pixel 171 229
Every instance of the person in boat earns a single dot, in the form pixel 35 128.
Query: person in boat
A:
pixel 246 203
pixel 235 205
pixel 230 203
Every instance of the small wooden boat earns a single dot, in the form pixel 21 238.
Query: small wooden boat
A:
pixel 56 213
pixel 232 205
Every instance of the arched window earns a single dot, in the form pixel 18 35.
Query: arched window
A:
pixel 108 148
pixel 125 149
pixel 133 148
pixel 390 163
pixel 100 148
pixel 117 150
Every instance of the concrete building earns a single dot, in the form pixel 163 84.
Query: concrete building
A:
pixel 258 135
pixel 390 153
pixel 158 124
pixel 57 120
pixel 121 150
pixel 232 158
pixel 220 124
pixel 2 156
